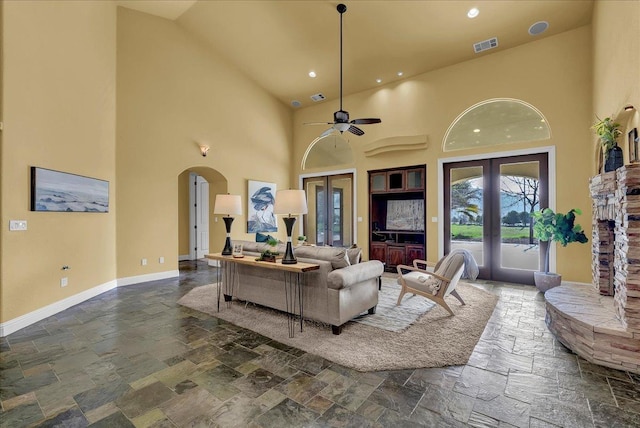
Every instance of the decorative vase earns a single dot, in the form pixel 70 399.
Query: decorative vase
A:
pixel 614 159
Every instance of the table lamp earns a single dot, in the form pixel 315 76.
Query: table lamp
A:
pixel 290 202
pixel 227 205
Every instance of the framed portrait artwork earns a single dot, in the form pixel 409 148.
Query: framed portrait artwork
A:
pixel 634 156
pixel 64 192
pixel 261 198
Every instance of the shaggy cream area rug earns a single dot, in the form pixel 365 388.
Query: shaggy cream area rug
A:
pixel 433 339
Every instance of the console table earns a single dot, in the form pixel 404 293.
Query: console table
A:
pixel 228 277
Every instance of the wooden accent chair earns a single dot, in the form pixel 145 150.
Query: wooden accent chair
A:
pixel 433 284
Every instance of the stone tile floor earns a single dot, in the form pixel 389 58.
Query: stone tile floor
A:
pixel 133 357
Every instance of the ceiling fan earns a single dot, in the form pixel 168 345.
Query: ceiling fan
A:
pixel 341 120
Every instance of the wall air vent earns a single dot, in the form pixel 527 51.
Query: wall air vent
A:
pixel 485 45
pixel 317 97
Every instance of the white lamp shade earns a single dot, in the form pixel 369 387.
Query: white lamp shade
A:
pixel 228 204
pixel 290 202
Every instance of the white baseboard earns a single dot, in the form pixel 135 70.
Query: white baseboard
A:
pixel 184 257
pixel 147 277
pixel 11 326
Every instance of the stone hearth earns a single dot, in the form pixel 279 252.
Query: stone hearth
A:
pixel 602 325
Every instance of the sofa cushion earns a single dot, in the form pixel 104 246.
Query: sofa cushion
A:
pixel 354 255
pixel 337 256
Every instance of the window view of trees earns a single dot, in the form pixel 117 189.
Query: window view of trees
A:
pixel 519 197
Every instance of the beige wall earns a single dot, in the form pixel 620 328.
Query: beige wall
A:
pixel 58 96
pixel 616 63
pixel 172 93
pixel 553 74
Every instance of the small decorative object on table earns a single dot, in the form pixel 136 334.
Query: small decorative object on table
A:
pixel 237 251
pixel 302 240
pixel 269 255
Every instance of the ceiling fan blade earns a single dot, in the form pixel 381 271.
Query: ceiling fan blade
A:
pixel 367 121
pixel 318 123
pixel 355 130
pixel 327 132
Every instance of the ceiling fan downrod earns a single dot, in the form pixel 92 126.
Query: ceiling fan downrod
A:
pixel 341 9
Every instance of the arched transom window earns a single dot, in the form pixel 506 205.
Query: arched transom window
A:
pixel 496 121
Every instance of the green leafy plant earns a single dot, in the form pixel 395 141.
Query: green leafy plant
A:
pixel 561 228
pixel 302 238
pixel 269 254
pixel 608 131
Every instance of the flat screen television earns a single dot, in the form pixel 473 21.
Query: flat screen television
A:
pixel 405 215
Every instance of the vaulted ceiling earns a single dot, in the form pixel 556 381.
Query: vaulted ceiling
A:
pixel 277 43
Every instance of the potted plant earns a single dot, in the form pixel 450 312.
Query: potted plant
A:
pixel 302 239
pixel 608 131
pixel 269 255
pixel 561 228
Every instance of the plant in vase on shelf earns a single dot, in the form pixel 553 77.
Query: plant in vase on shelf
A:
pixel 608 132
pixel 549 226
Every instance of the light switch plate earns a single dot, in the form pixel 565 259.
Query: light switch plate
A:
pixel 17 224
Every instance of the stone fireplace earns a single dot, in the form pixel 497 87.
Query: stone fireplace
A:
pixel 616 241
pixel 602 325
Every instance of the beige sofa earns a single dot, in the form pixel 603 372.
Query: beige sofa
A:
pixel 334 294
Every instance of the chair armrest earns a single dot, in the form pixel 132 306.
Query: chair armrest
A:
pixel 417 263
pixel 354 274
pixel 400 268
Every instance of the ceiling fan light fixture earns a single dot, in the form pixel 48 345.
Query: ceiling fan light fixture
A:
pixel 342 126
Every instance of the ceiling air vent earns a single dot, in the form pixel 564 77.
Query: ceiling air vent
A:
pixel 485 45
pixel 317 97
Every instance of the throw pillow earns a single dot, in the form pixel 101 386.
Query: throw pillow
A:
pixel 261 237
pixel 354 255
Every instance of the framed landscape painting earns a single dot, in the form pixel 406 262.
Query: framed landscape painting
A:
pixel 56 191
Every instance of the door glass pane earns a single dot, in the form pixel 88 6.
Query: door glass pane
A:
pixel 467 229
pixel 519 197
pixel 341 210
pixel 315 225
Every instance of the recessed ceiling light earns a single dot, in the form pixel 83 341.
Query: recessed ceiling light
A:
pixel 296 103
pixel 312 74
pixel 473 12
pixel 400 73
pixel 476 130
pixel 379 80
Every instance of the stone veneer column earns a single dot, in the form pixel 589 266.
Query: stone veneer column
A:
pixel 627 247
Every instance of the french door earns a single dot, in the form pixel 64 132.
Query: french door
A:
pixel 487 209
pixel 329 220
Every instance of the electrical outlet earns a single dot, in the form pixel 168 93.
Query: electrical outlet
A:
pixel 143 262
pixel 17 225
pixel 64 281
pixel 161 260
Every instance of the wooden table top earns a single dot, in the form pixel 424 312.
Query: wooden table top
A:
pixel 299 267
